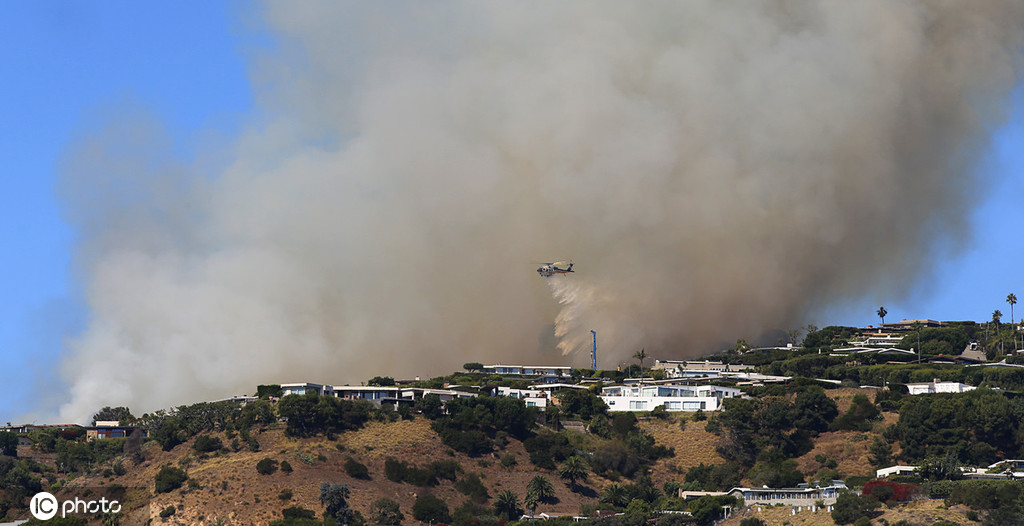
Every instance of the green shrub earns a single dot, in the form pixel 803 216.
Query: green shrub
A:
pixel 445 469
pixel 508 461
pixel 266 466
pixel 207 444
pixel 286 494
pixel 169 479
pixel 429 508
pixel 167 512
pixel 357 470
pixel 473 487
pixel 286 466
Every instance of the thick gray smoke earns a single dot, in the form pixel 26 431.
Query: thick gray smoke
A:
pixel 715 170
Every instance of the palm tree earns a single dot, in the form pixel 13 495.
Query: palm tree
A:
pixel 530 501
pixel 1011 298
pixel 917 327
pixel 573 469
pixel 640 356
pixel 541 487
pixel 507 504
pixel 614 494
pixel 881 314
pixel 996 315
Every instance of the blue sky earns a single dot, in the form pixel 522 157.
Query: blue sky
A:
pixel 62 63
pixel 186 62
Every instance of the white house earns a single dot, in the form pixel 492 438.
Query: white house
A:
pixel 936 386
pixel 800 496
pixel 894 471
pixel 306 388
pixel 671 397
pixel 693 368
pixel 376 394
pixel 532 397
pixel 529 370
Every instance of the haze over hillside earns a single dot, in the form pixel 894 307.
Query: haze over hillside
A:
pixel 699 162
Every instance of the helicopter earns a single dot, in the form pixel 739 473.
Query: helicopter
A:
pixel 558 267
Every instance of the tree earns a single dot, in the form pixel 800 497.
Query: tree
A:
pixel 506 504
pixel 881 314
pixel 169 479
pixel 334 497
pixel 641 355
pixel 121 414
pixel 1011 298
pixel 849 507
pixel 266 466
pixel 473 366
pixel 705 510
pixel 381 381
pixel 531 500
pixel 264 392
pixel 8 443
pixel 996 315
pixel 541 486
pixel 573 469
pixel 431 509
pixel 881 453
pixel 615 494
pixel 386 511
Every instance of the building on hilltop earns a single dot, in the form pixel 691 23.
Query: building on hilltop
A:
pixel 693 368
pixel 671 397
pixel 112 429
pixel 532 397
pixel 378 395
pixel 529 370
pixel 937 386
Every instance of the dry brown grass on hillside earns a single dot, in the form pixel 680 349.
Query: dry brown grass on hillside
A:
pixel 693 446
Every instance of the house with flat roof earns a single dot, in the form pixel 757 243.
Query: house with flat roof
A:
pixel 112 429
pixel 803 495
pixel 305 388
pixel 671 397
pixel 532 397
pixel 529 370
pixel 937 386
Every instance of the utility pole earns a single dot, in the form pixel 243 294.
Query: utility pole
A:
pixel 593 352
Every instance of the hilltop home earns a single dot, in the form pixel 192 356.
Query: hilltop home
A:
pixel 532 397
pixel 378 395
pixel 671 397
pixel 936 386
pixel 803 495
pixel 529 370
pixel 688 368
pixel 306 388
pixel 111 429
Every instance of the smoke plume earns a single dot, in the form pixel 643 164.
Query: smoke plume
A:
pixel 714 169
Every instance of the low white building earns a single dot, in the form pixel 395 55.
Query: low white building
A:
pixel 671 397
pixel 376 394
pixel 529 370
pixel 936 386
pixel 693 368
pixel 804 495
pixel 532 397
pixel 897 470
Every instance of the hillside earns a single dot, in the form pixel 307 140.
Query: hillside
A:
pixel 245 464
pixel 227 487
